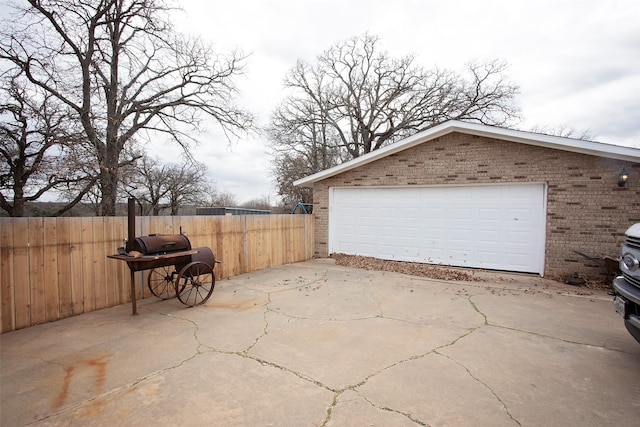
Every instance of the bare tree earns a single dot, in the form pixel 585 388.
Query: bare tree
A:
pixel 186 184
pixel 287 168
pixel 146 183
pixel 565 132
pixel 121 69
pixel 303 143
pixel 370 99
pixel 36 134
pixel 157 186
pixel 222 198
pixel 262 203
pixel 302 126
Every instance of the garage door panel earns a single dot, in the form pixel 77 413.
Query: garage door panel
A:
pixel 345 231
pixel 388 212
pixel 460 213
pixel 489 214
pixel 435 234
pixel 387 252
pixel 487 256
pixel 408 231
pixel 385 232
pixel 491 226
pixel 488 237
pixel 408 242
pixel 347 248
pixel 410 253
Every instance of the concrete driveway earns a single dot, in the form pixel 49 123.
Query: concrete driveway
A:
pixel 314 344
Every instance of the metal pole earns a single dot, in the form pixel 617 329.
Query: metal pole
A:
pixel 133 294
pixel 131 224
pixel 131 212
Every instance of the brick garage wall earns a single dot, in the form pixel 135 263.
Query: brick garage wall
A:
pixel 587 213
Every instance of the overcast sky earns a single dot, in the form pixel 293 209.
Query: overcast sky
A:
pixel 577 62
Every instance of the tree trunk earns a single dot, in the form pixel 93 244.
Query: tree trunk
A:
pixel 17 210
pixel 109 185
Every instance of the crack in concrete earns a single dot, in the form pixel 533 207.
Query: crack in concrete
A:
pixel 354 387
pixel 538 334
pixel 265 330
pixel 395 411
pixel 485 385
pixel 475 307
pixel 410 416
pixel 488 323
pixel 192 322
pixel 327 418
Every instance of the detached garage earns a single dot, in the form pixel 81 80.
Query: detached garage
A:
pixel 470 195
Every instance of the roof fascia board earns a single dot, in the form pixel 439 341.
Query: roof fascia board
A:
pixel 593 148
pixel 548 141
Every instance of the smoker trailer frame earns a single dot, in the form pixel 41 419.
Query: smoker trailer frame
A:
pixel 176 268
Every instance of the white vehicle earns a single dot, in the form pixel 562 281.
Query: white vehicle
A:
pixel 627 286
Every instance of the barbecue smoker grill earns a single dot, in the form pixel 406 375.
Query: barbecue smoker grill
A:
pixel 176 268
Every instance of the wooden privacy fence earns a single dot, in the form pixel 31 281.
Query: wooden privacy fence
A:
pixel 52 268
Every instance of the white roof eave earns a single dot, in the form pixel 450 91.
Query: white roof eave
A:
pixel 556 142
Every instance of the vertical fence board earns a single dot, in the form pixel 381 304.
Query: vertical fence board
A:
pixel 297 239
pixel 190 229
pixel 143 225
pixel 162 225
pixel 237 236
pixel 21 269
pixel 285 240
pixel 238 242
pixel 280 246
pixel 37 277
pixel 291 247
pixel 76 265
pixel 207 232
pixel 8 312
pixel 253 231
pixel 121 279
pixel 88 268
pixel 111 268
pixel 218 249
pixel 99 263
pixel 51 289
pixel 272 243
pixel 64 267
pixel 310 235
pixel 267 255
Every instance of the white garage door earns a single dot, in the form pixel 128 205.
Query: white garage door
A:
pixel 499 227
